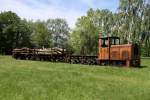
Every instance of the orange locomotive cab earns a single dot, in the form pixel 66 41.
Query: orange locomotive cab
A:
pixel 113 53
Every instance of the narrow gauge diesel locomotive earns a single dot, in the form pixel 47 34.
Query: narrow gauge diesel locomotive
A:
pixel 111 52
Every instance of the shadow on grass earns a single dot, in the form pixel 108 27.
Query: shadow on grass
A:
pixel 143 66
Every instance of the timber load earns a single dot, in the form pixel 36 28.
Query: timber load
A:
pixel 54 55
pixel 39 51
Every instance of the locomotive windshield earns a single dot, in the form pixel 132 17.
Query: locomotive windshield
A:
pixel 110 40
pixel 115 41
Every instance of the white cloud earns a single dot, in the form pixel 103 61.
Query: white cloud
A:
pixel 41 11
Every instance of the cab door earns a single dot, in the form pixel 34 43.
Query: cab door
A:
pixel 103 49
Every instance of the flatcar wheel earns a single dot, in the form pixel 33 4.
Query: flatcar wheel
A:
pixel 37 58
pixel 26 58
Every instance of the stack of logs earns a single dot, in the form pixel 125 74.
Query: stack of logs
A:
pixel 54 55
pixel 55 50
pixel 43 51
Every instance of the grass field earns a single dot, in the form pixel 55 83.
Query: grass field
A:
pixel 34 80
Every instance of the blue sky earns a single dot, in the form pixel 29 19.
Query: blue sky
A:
pixel 44 9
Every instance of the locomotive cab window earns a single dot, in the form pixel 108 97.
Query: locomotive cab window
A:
pixel 104 43
pixel 115 41
pixel 110 40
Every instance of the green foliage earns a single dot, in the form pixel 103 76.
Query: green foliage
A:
pixel 41 36
pixel 84 38
pixel 132 19
pixel 136 23
pixel 88 28
pixel 75 42
pixel 17 33
pixel 34 80
pixel 24 32
pixel 14 32
pixel 59 30
pixel 146 31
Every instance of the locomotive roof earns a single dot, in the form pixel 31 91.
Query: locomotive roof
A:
pixel 114 37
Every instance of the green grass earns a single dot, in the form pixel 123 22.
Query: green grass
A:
pixel 35 80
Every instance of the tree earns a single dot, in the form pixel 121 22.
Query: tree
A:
pixel 132 19
pixel 136 22
pixel 59 30
pixel 84 38
pixel 13 32
pixel 41 36
pixel 145 35
pixel 23 34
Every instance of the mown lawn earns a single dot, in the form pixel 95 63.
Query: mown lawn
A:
pixel 35 80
